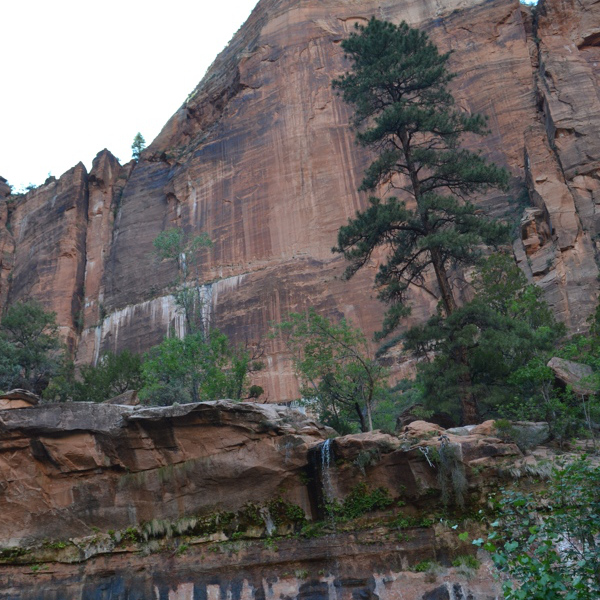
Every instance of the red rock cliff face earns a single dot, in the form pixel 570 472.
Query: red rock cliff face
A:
pixel 201 501
pixel 49 231
pixel 261 158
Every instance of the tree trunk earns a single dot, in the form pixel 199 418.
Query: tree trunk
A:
pixel 443 282
pixel 468 402
pixel 361 417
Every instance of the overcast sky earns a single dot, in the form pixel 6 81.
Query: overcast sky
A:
pixel 79 76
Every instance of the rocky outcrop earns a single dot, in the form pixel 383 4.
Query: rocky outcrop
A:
pixel 261 158
pixel 18 399
pixel 118 501
pixel 335 567
pixel 577 376
pixel 562 154
pixel 69 469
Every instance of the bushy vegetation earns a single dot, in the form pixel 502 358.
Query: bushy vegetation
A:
pixel 504 330
pixel 340 380
pixel 113 375
pixel 197 367
pixel 359 501
pixel 548 543
pixel 194 368
pixel 30 351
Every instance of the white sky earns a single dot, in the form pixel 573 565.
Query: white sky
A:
pixel 79 76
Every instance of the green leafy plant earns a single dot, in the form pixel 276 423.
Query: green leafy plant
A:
pixel 113 375
pixel 197 367
pixel 359 501
pixel 182 549
pixel 30 350
pixel 549 544
pixel 339 377
pixel 423 566
pixel 466 560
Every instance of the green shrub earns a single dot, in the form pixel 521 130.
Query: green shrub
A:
pixel 360 501
pixel 466 560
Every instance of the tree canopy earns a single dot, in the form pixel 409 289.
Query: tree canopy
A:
pixel 139 143
pixel 336 371
pixel 405 113
pixel 194 369
pixel 504 329
pixel 30 349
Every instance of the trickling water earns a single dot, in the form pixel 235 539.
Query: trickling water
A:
pixel 268 520
pixel 320 479
pixel 326 457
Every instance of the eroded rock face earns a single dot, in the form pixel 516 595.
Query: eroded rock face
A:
pixel 336 567
pixel 49 229
pixel 81 483
pixel 261 158
pixel 69 468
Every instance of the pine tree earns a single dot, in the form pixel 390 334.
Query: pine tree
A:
pixel 139 143
pixel 30 350
pixel 502 331
pixel 405 113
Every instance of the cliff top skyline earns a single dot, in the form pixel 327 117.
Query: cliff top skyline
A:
pixel 80 78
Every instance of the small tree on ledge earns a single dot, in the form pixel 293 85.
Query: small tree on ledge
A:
pixel 139 143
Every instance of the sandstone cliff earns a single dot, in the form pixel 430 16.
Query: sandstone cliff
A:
pixel 225 501
pixel 261 158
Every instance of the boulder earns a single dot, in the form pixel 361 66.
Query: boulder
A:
pixel 572 374
pixel 18 399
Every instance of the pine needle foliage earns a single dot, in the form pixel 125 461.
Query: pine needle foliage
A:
pixel 30 350
pixel 506 328
pixel 405 113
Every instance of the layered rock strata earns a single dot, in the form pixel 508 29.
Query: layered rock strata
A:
pixel 261 158
pixel 116 501
pixel 72 468
pixel 335 567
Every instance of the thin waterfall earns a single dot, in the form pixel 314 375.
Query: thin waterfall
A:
pixel 326 458
pixel 321 464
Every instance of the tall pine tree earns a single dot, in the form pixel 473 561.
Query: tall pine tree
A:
pixel 405 113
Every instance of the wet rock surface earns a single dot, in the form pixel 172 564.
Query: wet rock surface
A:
pixel 116 501
pixel 341 566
